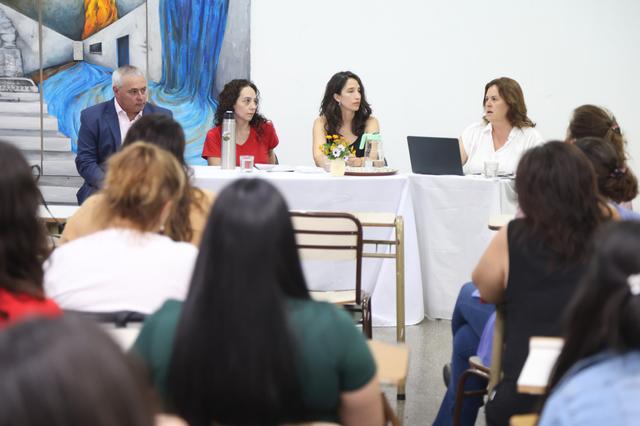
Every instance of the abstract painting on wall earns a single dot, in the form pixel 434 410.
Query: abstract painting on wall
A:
pixel 187 48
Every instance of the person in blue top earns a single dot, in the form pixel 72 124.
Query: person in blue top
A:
pixel 596 380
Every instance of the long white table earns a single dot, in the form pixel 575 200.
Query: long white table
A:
pixel 320 191
pixel 443 239
pixel 452 213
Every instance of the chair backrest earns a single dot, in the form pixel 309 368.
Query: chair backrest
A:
pixel 330 236
pixel 119 319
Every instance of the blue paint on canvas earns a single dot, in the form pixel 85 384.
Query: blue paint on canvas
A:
pixel 192 33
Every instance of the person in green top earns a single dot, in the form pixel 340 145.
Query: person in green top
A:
pixel 249 346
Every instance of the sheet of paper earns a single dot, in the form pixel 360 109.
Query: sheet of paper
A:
pixel 543 352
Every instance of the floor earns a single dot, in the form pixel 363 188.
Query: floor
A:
pixel 429 349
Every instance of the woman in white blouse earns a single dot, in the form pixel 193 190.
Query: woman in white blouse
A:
pixel 505 132
pixel 128 265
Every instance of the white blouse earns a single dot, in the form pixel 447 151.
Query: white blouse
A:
pixel 478 144
pixel 118 269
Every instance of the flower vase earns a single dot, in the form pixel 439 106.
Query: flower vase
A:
pixel 337 167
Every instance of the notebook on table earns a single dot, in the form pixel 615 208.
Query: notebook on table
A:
pixel 434 156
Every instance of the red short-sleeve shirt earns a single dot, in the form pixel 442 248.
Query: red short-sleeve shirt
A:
pixel 258 144
pixel 18 306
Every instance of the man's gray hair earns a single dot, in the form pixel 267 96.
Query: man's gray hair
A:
pixel 125 70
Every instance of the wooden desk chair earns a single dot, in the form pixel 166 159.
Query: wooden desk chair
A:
pixel 330 236
pixel 492 373
pixel 392 364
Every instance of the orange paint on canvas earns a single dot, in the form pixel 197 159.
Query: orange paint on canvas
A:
pixel 98 14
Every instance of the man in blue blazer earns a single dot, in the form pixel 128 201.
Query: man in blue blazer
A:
pixel 103 127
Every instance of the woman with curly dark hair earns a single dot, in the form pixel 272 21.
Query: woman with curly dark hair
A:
pixel 23 245
pixel 344 111
pixel 255 135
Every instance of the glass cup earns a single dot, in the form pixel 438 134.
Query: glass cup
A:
pixel 246 163
pixel 373 155
pixel 490 169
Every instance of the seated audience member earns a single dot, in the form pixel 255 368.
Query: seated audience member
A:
pixel 344 111
pixel 68 372
pixel 591 120
pixel 597 376
pixel 249 346
pixel 128 265
pixel 504 133
pixel 615 180
pixel 255 135
pixel 467 322
pixel 187 219
pixel 534 264
pixel 23 244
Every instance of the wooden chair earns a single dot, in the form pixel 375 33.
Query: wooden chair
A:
pixel 392 363
pixel 492 373
pixel 332 236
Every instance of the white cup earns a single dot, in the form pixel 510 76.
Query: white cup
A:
pixel 490 169
pixel 246 163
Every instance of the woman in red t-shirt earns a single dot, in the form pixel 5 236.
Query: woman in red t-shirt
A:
pixel 254 134
pixel 23 244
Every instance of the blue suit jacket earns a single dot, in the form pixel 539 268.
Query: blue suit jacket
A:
pixel 98 138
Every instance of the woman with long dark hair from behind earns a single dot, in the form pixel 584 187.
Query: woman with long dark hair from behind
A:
pixel 596 380
pixel 250 346
pixel 344 111
pixel 534 264
pixel 187 220
pixel 23 244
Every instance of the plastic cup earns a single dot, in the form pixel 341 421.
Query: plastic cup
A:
pixel 246 163
pixel 490 169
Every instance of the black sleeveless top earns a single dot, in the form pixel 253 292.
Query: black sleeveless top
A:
pixel 537 293
pixel 356 146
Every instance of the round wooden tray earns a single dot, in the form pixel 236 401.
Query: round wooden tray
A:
pixel 376 171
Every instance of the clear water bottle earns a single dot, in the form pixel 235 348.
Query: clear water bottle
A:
pixel 228 160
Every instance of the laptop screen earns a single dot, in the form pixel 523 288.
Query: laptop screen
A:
pixel 434 156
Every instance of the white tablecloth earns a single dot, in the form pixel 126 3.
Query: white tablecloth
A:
pixel 319 191
pixel 452 215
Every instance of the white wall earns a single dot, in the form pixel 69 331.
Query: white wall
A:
pixel 424 63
